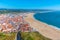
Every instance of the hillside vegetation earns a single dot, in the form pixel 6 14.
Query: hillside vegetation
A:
pixel 24 36
pixel 8 36
pixel 33 36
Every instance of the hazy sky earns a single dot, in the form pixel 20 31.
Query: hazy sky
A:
pixel 30 4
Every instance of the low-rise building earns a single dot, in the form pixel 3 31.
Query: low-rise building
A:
pixel 13 24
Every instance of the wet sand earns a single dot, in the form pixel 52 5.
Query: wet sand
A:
pixel 43 28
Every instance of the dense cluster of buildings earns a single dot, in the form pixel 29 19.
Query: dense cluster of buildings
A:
pixel 13 23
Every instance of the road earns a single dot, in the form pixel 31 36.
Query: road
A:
pixel 18 37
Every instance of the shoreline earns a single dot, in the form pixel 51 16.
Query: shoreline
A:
pixel 44 29
pixel 55 27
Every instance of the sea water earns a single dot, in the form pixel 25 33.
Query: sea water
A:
pixel 51 18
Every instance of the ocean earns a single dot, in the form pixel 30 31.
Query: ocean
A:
pixel 50 18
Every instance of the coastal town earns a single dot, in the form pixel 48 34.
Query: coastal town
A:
pixel 26 23
pixel 14 23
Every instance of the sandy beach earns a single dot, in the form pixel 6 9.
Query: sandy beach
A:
pixel 43 28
